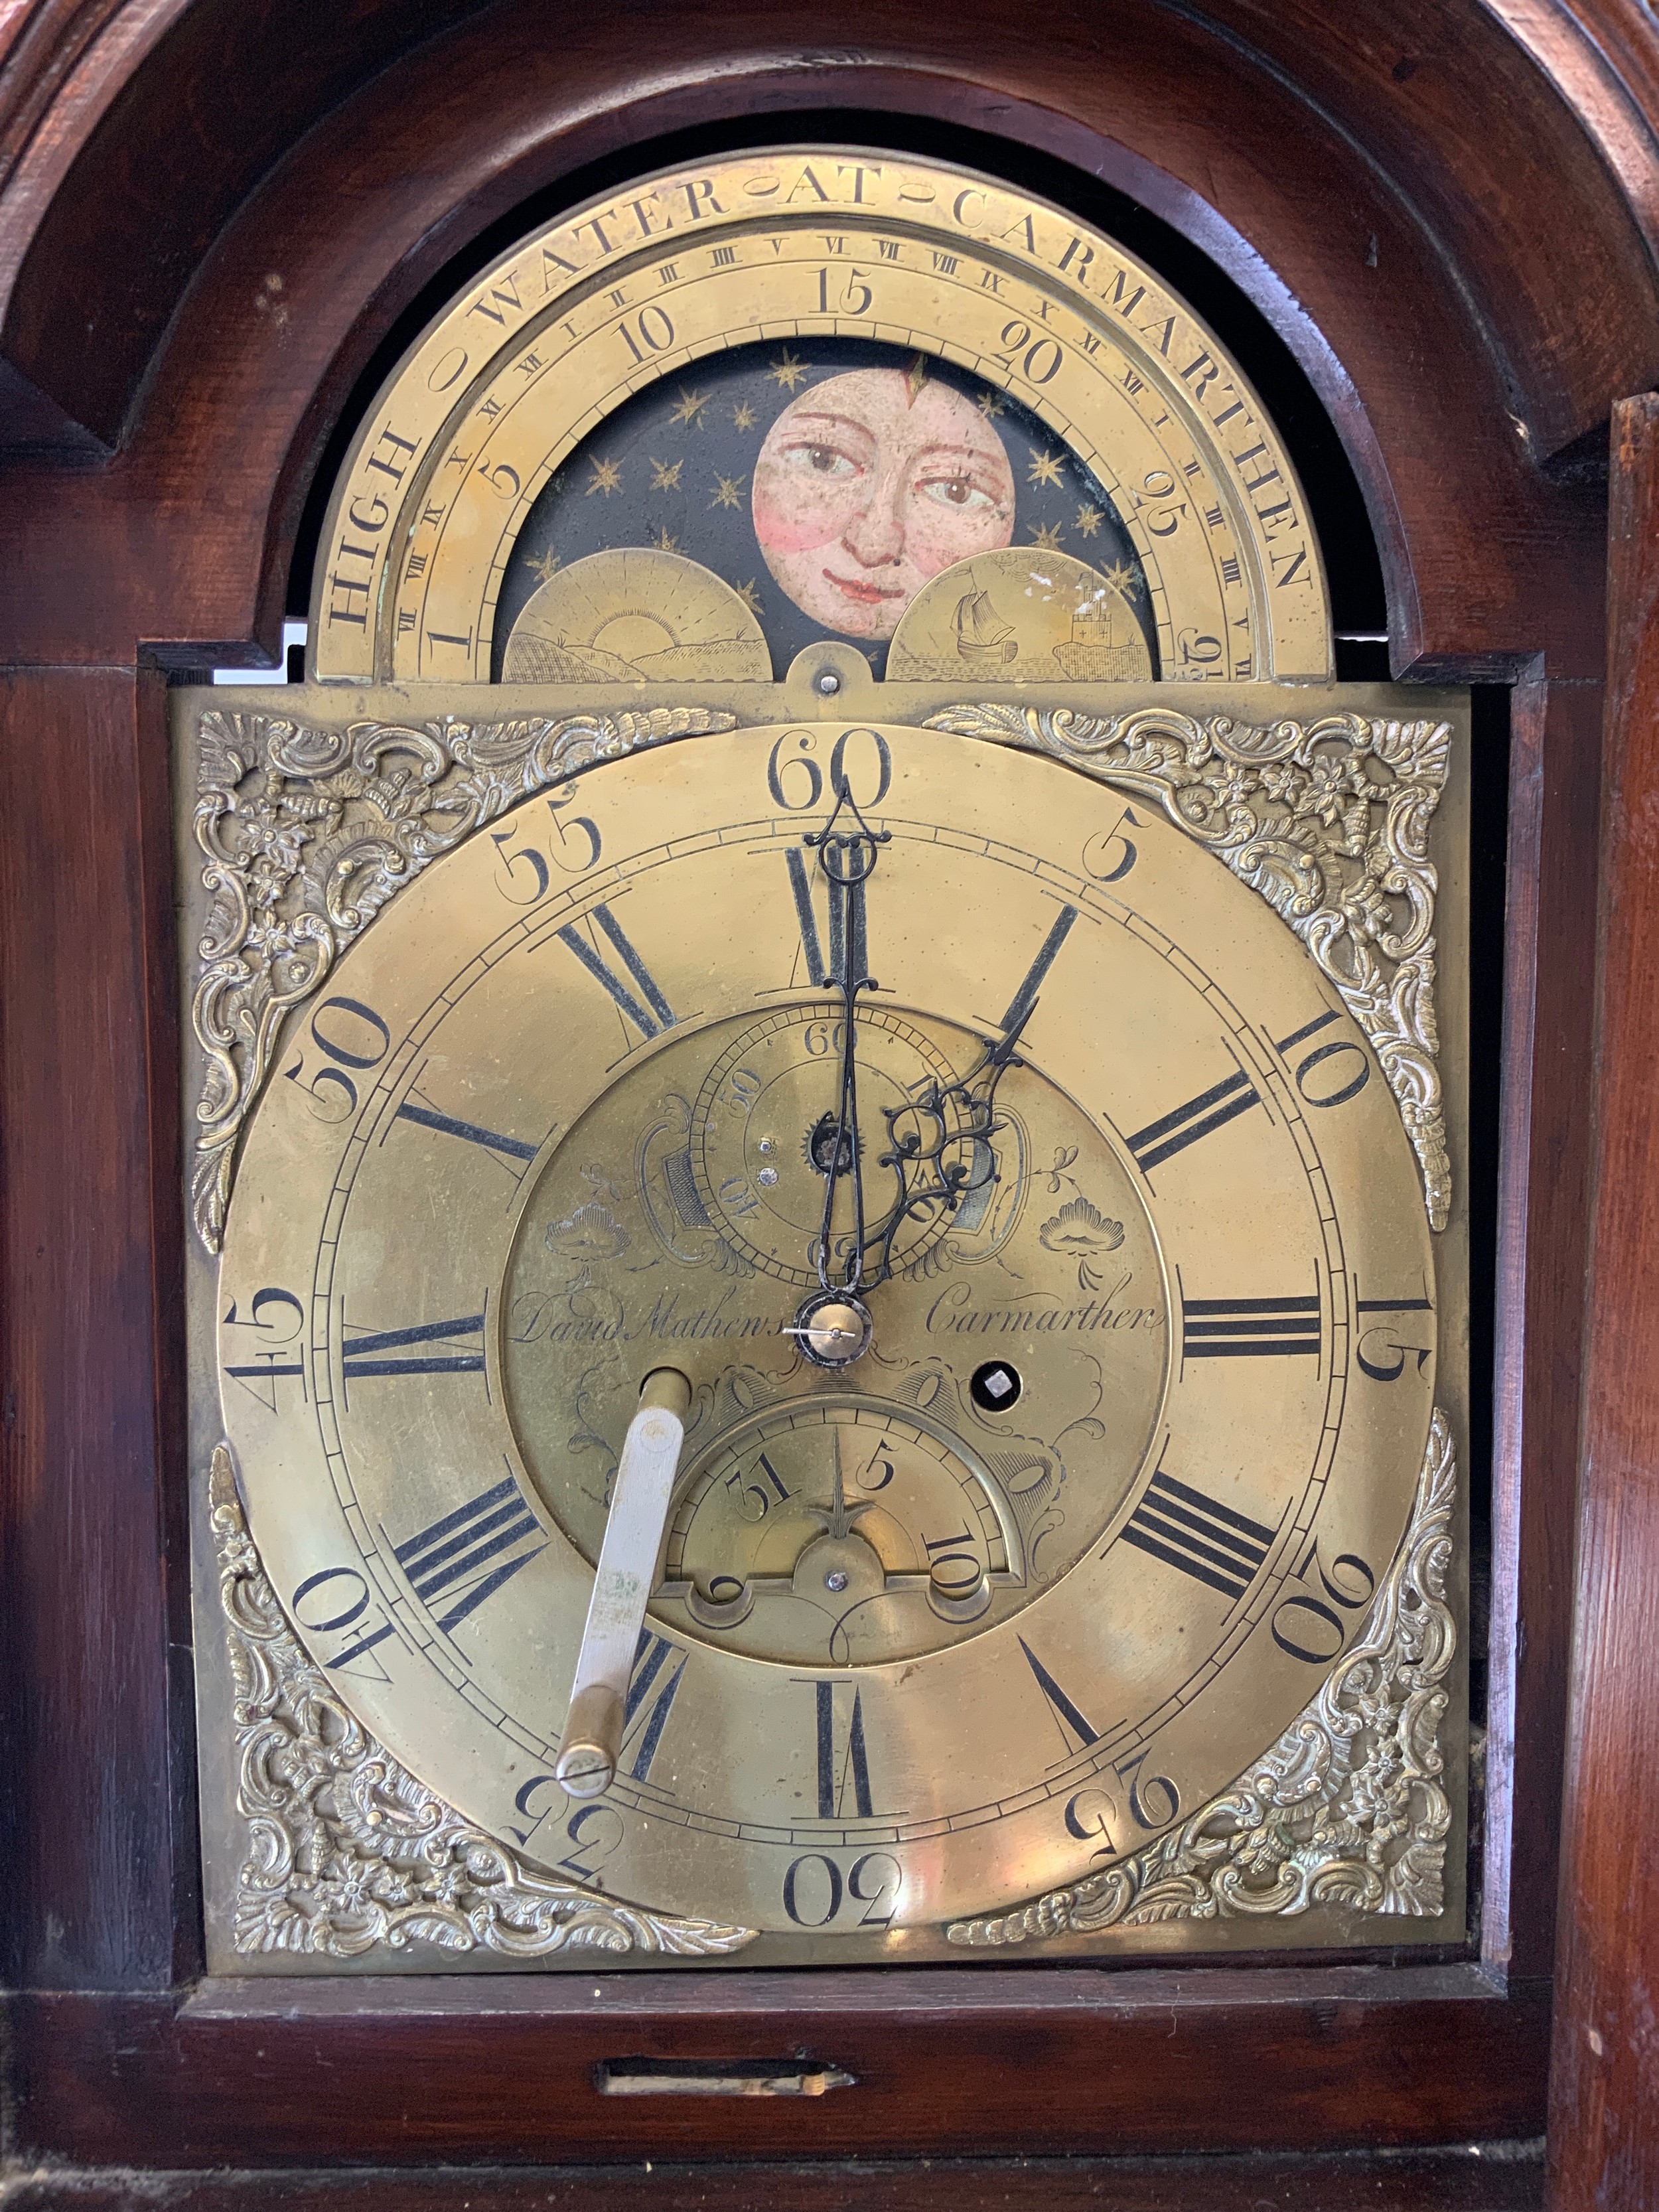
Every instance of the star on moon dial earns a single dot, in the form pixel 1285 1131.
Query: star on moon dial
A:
pixel 1046 1566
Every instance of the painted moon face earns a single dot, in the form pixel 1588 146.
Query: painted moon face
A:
pixel 871 484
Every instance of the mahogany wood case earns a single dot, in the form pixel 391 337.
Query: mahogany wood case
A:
pixel 216 215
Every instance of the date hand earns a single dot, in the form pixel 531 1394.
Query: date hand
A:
pixel 586 1765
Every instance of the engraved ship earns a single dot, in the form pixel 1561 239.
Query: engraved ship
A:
pixel 981 634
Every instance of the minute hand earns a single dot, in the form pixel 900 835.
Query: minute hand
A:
pixel 847 853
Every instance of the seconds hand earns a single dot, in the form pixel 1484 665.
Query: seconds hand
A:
pixel 833 1328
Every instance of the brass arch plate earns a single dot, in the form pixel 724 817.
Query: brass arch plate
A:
pixel 776 248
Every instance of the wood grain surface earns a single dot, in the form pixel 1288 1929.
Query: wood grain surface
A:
pixel 88 1830
pixel 1542 1235
pixel 1016 2060
pixel 1604 2093
pixel 221 408
pixel 1475 2177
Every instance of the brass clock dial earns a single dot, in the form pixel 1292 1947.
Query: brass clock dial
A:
pixel 1033 1578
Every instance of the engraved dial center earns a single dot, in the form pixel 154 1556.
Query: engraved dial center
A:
pixel 646 1237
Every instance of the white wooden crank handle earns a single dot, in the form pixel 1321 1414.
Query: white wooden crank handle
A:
pixel 586 1765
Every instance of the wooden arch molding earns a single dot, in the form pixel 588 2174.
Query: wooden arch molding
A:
pixel 1448 213
pixel 212 214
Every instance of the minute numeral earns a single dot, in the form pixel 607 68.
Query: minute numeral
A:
pixel 453 1556
pixel 1204 1539
pixel 1249 1328
pixel 1379 1349
pixel 337 1599
pixel 368 1354
pixel 646 1008
pixel 1331 1073
pixel 274 1320
pixel 260 1378
pixel 1212 1109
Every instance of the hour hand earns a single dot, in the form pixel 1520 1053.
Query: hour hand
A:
pixel 640 1498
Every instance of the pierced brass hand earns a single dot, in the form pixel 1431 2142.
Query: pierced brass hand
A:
pixel 848 857
pixel 838 1516
pixel 833 1328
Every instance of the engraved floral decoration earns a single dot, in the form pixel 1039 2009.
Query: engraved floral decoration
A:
pixel 346 1850
pixel 1328 820
pixel 1081 1231
pixel 306 834
pixel 1346 1809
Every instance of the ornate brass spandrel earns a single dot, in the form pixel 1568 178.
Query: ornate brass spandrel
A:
pixel 345 1851
pixel 1346 1809
pixel 1298 809
pixel 307 832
